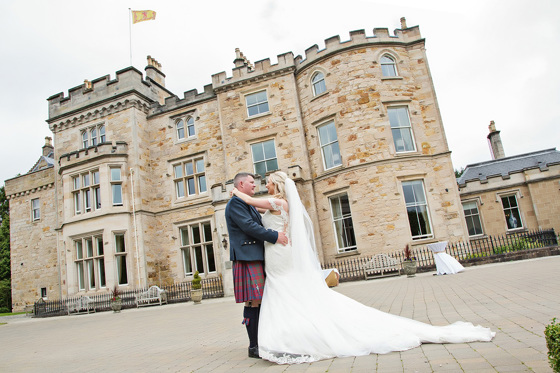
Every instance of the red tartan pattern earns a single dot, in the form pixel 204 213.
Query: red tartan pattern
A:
pixel 248 280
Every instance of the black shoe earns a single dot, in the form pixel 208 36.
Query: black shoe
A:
pixel 254 352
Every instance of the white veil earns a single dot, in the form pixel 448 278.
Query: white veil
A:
pixel 304 252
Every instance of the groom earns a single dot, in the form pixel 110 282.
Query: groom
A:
pixel 247 236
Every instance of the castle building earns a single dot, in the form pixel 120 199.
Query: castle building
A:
pixel 511 194
pixel 136 189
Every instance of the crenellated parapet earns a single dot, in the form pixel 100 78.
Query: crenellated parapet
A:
pixel 189 98
pixel 244 73
pixel 359 39
pixel 98 111
pixel 93 93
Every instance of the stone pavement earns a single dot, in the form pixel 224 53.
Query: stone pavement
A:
pixel 516 299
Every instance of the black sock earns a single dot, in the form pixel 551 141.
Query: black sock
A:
pixel 250 319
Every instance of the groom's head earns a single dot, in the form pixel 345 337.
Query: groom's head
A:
pixel 245 182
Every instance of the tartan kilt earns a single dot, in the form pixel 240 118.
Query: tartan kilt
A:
pixel 248 280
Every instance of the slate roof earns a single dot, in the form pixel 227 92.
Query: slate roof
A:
pixel 509 165
pixel 49 160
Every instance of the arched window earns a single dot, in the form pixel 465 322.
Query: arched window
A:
pixel 318 82
pixel 180 126
pixel 190 126
pixel 388 66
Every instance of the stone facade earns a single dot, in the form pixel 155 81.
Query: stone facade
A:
pixel 157 220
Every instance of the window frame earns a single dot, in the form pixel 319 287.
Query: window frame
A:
pixel 35 210
pixel 471 216
pixel 392 64
pixel 93 136
pixel 329 144
pixel 342 237
pixel 86 191
pixel 89 274
pixel 416 204
pixel 257 103
pixel 189 250
pixel 121 259
pixel 265 160
pixel 187 174
pixel 315 84
pixel 519 218
pixel 400 128
pixel 116 185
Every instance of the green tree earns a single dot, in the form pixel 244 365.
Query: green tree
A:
pixel 5 272
pixel 458 173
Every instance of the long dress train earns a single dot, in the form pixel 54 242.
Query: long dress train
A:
pixel 302 320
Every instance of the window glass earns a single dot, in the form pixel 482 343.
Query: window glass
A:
pixel 190 126
pixel 180 125
pixel 264 157
pixel 318 82
pixel 401 129
pixel 329 145
pixel 342 223
pixel 417 209
pixel 257 103
pixel 472 218
pixel 388 67
pixel 511 212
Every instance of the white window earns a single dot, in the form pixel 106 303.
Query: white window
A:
pixel 472 217
pixel 116 186
pixel 180 127
pixel 264 157
pixel 342 222
pixel 401 129
pixel 189 131
pixel 417 209
pixel 90 262
pixel 511 212
pixel 388 66
pixel 120 259
pixel 329 145
pixel 35 209
pixel 189 177
pixel 318 82
pixel 197 248
pixel 257 103
pixel 86 192
pixel 93 136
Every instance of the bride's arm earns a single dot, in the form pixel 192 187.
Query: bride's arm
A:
pixel 262 204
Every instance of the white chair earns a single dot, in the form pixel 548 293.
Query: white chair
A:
pixel 445 263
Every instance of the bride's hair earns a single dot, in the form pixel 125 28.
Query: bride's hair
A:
pixel 278 178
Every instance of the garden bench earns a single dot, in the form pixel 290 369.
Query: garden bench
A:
pixel 150 296
pixel 381 265
pixel 81 305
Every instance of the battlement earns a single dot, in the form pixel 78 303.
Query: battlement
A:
pixel 90 93
pixel 189 98
pixel 244 72
pixel 261 70
pixel 359 38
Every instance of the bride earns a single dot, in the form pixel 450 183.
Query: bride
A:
pixel 302 320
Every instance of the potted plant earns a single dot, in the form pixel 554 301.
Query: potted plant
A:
pixel 115 301
pixel 409 263
pixel 196 293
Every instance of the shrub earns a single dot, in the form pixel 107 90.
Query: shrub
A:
pixel 196 281
pixel 552 334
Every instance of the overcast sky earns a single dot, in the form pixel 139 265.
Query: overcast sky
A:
pixel 490 60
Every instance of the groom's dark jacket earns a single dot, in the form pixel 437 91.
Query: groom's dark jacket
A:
pixel 246 232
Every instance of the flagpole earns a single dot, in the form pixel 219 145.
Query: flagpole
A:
pixel 130 32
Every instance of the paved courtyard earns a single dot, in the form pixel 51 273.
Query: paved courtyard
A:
pixel 517 300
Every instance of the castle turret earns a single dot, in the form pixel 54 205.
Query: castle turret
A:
pixel 496 147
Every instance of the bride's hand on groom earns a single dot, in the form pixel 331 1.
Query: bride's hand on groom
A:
pixel 282 238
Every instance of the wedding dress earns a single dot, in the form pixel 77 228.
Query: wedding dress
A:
pixel 302 320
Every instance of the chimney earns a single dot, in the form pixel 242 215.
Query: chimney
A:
pixel 496 147
pixel 48 148
pixel 241 60
pixel 403 23
pixel 153 71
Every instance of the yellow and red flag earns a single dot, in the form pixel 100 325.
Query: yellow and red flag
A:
pixel 143 15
